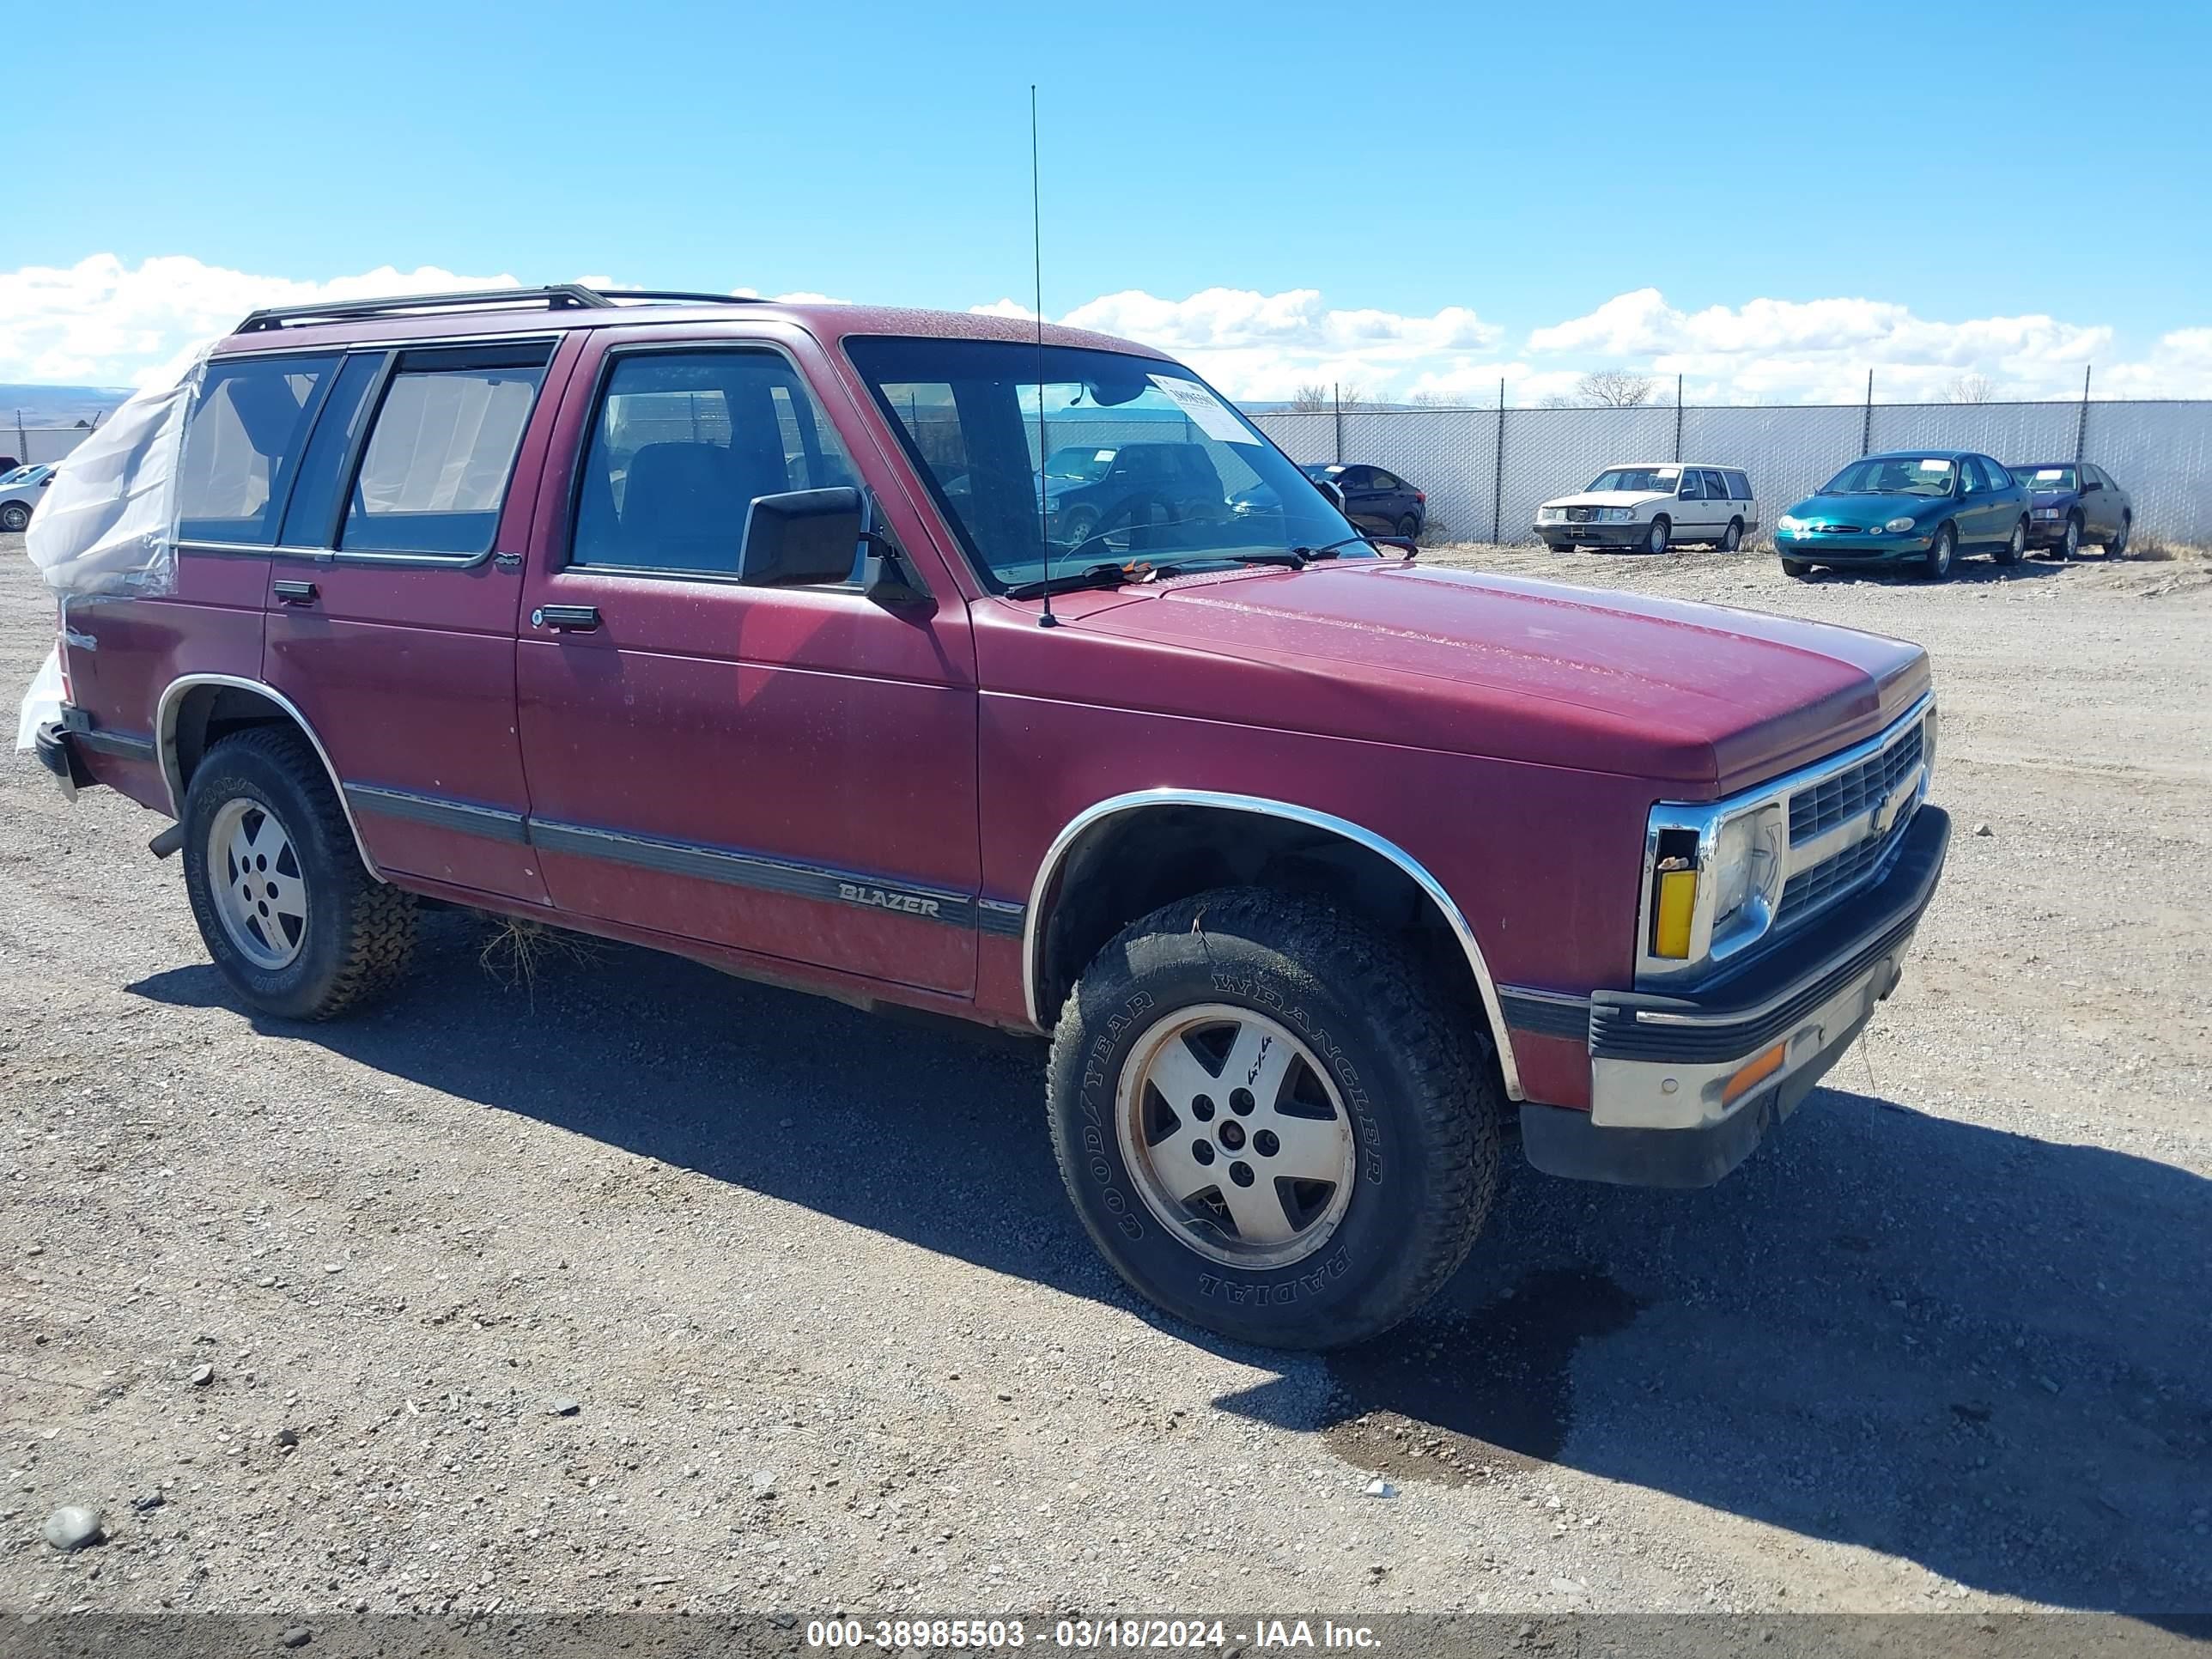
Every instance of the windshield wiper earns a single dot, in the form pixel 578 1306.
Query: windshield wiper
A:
pixel 1097 575
pixel 1329 551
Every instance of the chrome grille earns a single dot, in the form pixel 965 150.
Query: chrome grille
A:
pixel 1844 797
pixel 1579 514
pixel 1809 889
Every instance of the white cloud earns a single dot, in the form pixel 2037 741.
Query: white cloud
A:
pixel 1257 346
pixel 1820 350
pixel 104 322
pixel 101 322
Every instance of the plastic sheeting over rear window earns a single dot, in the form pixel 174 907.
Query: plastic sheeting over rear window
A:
pixel 105 523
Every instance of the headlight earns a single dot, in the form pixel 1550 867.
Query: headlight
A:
pixel 1747 857
pixel 1785 522
pixel 1548 515
pixel 1616 514
pixel 2048 512
pixel 1900 524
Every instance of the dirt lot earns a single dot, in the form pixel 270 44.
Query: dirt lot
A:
pixel 833 1340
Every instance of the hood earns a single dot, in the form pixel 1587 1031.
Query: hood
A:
pixel 1611 498
pixel 1706 698
pixel 2054 497
pixel 1866 510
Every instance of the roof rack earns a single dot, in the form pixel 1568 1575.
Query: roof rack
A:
pixel 558 296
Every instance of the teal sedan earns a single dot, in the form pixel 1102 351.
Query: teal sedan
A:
pixel 1916 509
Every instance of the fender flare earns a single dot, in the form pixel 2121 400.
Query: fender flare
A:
pixel 1049 871
pixel 165 746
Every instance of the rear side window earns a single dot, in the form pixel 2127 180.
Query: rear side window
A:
pixel 682 444
pixel 247 428
pixel 433 473
pixel 1740 485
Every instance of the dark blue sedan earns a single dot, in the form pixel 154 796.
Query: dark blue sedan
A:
pixel 2074 503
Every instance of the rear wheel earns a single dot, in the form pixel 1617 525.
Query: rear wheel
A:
pixel 2016 548
pixel 1655 540
pixel 1271 1120
pixel 289 914
pixel 1935 563
pixel 14 517
pixel 1409 527
pixel 1732 538
pixel 2118 547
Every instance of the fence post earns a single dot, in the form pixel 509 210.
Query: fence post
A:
pixel 1678 417
pixel 1336 396
pixel 1866 426
pixel 1498 469
pixel 2082 424
pixel 22 439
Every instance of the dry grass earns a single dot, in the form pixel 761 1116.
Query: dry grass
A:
pixel 520 950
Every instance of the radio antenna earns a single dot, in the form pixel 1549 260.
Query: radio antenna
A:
pixel 1037 255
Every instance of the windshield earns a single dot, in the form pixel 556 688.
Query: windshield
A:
pixel 1642 480
pixel 1894 475
pixel 1145 463
pixel 2043 478
pixel 1080 463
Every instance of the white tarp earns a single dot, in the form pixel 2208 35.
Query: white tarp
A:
pixel 104 523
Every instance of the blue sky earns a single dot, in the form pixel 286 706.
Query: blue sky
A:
pixel 1512 171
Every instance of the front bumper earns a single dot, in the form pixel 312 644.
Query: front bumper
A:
pixel 2046 532
pixel 1563 536
pixel 1851 550
pixel 1683 1088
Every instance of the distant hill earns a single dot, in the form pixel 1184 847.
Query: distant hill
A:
pixel 56 405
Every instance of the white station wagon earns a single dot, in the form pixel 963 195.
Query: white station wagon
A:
pixel 1651 506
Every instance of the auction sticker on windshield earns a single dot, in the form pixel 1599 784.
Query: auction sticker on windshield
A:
pixel 1206 409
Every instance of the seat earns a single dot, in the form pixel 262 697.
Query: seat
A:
pixel 683 508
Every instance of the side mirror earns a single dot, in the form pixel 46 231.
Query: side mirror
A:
pixel 802 537
pixel 2090 485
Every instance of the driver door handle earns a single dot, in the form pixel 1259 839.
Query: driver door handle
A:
pixel 566 618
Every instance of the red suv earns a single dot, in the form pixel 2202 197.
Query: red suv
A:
pixel 747 631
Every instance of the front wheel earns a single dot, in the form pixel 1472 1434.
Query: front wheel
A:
pixel 290 915
pixel 2071 547
pixel 1797 569
pixel 1270 1120
pixel 2016 549
pixel 1655 540
pixel 1732 538
pixel 1935 563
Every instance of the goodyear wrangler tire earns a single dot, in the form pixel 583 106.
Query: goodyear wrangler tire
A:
pixel 1272 1122
pixel 289 913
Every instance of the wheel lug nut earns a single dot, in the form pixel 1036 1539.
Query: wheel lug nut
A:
pixel 1241 1101
pixel 1241 1173
pixel 1202 1108
pixel 1202 1152
pixel 1266 1145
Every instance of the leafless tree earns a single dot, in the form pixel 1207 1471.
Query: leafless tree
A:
pixel 1614 388
pixel 1313 400
pixel 1968 389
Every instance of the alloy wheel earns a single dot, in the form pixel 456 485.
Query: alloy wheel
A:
pixel 260 893
pixel 1236 1138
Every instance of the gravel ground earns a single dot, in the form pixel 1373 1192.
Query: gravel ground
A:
pixel 628 1284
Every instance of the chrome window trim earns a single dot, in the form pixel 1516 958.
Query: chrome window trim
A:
pixel 165 743
pixel 1048 871
pixel 1705 819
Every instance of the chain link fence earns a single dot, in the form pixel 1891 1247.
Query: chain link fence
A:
pixel 1485 471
